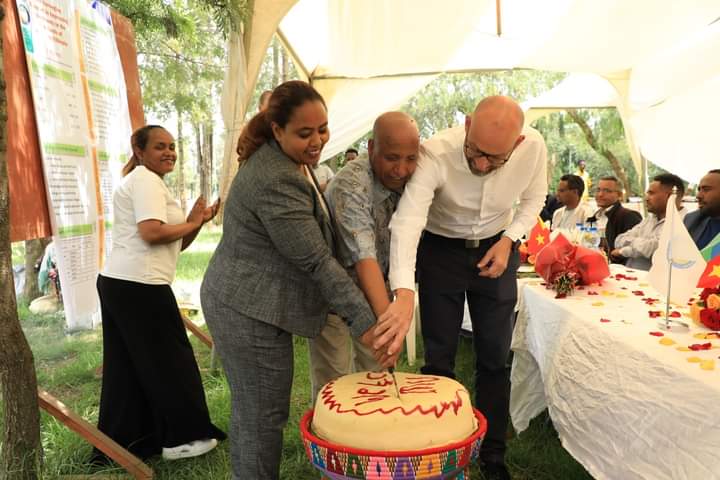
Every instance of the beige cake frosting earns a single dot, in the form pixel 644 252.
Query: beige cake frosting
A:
pixel 364 411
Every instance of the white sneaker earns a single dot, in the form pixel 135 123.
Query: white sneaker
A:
pixel 188 450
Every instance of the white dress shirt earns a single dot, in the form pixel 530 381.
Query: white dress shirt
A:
pixel 640 242
pixel 568 219
pixel 446 198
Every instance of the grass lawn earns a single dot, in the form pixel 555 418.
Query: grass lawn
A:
pixel 66 367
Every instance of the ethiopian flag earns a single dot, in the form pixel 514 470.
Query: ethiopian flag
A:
pixel 711 276
pixel 712 249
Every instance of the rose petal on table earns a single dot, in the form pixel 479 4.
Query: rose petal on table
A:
pixel 597 304
pixel 592 292
pixel 654 313
pixel 675 314
pixel 605 320
pixel 694 359
pixel 708 364
pixel 643 284
pixel 639 293
pixel 667 341
pixel 695 347
pixel 606 293
pixel 682 348
pixel 657 334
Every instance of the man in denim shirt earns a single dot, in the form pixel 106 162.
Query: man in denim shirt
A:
pixel 362 198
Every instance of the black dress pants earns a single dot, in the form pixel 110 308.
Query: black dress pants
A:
pixel 152 394
pixel 447 275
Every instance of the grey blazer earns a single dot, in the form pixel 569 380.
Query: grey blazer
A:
pixel 275 261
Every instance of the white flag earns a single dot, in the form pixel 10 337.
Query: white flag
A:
pixel 677 249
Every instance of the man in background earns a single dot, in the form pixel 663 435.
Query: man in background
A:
pixel 582 173
pixel 569 192
pixel 611 216
pixel 639 243
pixel 362 198
pixel 350 155
pixel 704 223
pixel 264 100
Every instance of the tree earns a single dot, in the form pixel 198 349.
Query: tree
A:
pixel 601 148
pixel 34 251
pixel 444 102
pixel 21 452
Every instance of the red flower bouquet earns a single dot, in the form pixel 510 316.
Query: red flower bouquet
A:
pixel 706 311
pixel 564 266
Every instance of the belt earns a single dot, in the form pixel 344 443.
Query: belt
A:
pixel 462 242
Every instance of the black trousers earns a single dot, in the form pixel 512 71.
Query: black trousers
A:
pixel 152 394
pixel 447 275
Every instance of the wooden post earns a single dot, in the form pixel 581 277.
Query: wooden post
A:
pixel 195 330
pixel 133 465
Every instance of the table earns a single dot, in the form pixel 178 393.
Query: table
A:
pixel 625 405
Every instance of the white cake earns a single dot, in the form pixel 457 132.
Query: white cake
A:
pixel 364 411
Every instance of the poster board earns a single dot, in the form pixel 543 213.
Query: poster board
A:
pixel 29 217
pixel 83 126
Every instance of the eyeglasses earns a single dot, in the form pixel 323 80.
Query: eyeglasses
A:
pixel 494 160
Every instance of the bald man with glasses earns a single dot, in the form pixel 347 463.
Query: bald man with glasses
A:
pixel 462 195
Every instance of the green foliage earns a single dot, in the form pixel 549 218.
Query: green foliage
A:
pixel 270 74
pixel 151 16
pixel 18 253
pixel 444 102
pixel 567 146
pixel 165 16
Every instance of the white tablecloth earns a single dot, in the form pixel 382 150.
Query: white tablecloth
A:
pixel 625 405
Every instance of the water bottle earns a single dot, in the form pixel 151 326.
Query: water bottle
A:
pixel 593 238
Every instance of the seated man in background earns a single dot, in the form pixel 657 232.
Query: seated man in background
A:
pixel 638 244
pixel 704 223
pixel 569 192
pixel 551 204
pixel 611 216
pixel 362 198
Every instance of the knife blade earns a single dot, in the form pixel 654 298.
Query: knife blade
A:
pixel 391 370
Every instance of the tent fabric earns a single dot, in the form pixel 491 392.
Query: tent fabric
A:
pixel 656 54
pixel 246 51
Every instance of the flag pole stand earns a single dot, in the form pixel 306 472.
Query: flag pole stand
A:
pixel 670 323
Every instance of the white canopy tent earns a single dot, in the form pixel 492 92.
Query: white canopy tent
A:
pixel 661 58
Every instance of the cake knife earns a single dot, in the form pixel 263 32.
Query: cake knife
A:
pixel 391 370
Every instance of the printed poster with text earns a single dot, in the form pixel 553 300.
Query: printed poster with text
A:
pixel 78 89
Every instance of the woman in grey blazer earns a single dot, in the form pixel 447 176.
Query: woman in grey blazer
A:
pixel 274 273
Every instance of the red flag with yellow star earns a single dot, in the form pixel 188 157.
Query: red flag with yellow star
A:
pixel 538 238
pixel 711 276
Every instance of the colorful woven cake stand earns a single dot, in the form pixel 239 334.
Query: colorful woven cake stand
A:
pixel 338 462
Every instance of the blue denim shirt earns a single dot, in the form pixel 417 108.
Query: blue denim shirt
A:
pixel 362 208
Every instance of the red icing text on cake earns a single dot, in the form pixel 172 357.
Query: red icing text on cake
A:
pixel 376 389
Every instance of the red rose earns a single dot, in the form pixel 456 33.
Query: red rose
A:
pixel 707 292
pixel 710 318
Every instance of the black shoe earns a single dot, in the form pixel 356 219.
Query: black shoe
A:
pixel 495 471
